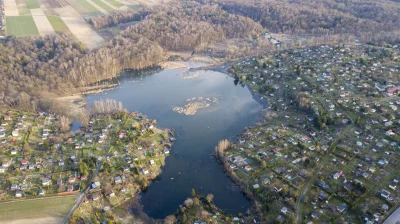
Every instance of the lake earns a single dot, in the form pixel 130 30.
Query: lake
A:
pixel 190 164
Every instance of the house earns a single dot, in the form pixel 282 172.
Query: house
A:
pixel 2 169
pixel 7 118
pixel 46 182
pixel 42 192
pixel 18 194
pixel 337 174
pixel 322 196
pixel 96 197
pixel 284 210
pixel 393 185
pixel 126 169
pixel 385 194
pixel 14 133
pixel 24 162
pixel 45 133
pixel 13 152
pixel 266 181
pixel 341 207
pixel 117 180
pixel 71 179
pixel 14 187
pixel 70 188
pixel 152 163
pixel 95 185
pixel 247 168
pixel 256 186
pixel 59 181
pixel 315 215
pixel 324 185
pixel 6 163
pixel 145 171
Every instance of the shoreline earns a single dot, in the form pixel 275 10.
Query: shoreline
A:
pixel 76 101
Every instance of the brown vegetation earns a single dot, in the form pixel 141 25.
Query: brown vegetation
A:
pixel 372 21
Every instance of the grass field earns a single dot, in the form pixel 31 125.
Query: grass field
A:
pixel 134 7
pixel 23 10
pixel 32 4
pixel 104 6
pixel 90 8
pixel 39 208
pixel 57 23
pixel 115 3
pixel 21 26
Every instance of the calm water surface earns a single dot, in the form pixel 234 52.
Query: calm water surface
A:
pixel 190 164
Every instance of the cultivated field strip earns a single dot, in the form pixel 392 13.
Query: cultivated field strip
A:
pixel 97 7
pixel 42 23
pixel 10 8
pixel 82 30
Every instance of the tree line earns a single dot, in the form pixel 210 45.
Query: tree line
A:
pixel 372 21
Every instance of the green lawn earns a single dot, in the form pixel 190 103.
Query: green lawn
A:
pixel 103 5
pixel 20 26
pixel 32 4
pixel 39 208
pixel 57 23
pixel 89 8
pixel 115 3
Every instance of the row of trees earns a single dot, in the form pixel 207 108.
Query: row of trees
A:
pixel 120 16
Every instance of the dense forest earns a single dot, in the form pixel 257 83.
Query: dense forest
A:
pixel 193 26
pixel 375 21
pixel 30 69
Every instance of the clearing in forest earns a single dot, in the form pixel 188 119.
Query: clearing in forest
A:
pixel 21 26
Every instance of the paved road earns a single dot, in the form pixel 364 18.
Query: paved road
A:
pixel 394 218
pixel 314 176
pixel 83 194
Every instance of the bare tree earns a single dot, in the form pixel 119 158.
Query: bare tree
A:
pixel 221 147
pixel 64 123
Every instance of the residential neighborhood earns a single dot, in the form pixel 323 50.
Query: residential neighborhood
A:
pixel 328 151
pixel 107 157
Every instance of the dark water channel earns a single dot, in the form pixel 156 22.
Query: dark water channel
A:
pixel 189 164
